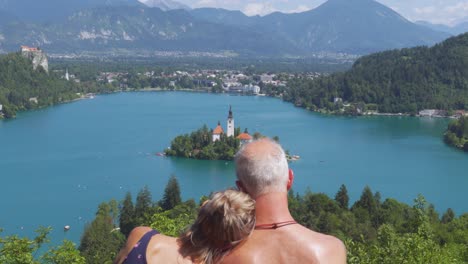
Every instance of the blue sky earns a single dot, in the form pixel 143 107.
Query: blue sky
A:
pixel 435 11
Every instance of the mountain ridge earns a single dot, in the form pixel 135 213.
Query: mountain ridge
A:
pixel 352 27
pixel 165 5
pixel 457 29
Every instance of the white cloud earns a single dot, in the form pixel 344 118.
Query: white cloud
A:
pixel 425 10
pixel 460 7
pixel 206 3
pixel 262 9
pixel 300 9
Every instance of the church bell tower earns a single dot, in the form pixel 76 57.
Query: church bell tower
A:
pixel 230 123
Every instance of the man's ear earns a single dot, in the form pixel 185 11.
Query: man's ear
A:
pixel 290 179
pixel 240 186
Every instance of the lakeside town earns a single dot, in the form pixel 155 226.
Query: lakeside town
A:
pixel 239 82
pixel 247 81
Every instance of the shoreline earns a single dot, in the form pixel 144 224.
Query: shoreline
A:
pixel 319 111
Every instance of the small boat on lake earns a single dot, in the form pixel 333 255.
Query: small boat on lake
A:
pixel 293 157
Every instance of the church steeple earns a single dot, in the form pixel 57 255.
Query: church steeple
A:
pixel 230 112
pixel 230 123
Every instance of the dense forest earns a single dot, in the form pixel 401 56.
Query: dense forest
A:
pixel 457 133
pixel 373 230
pixel 397 81
pixel 23 88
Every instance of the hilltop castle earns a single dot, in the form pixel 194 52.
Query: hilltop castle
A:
pixel 37 56
pixel 244 137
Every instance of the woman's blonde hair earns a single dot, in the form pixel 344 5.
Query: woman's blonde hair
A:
pixel 223 222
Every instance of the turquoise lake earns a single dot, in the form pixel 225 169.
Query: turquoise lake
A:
pixel 57 164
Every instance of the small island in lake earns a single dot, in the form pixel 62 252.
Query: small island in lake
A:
pixel 457 133
pixel 212 144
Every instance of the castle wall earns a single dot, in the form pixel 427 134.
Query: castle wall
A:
pixel 38 58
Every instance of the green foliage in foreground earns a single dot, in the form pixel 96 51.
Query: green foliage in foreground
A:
pixel 374 231
pixel 16 250
pixel 171 197
pixel 457 133
pixel 200 145
pixel 102 240
pixel 397 81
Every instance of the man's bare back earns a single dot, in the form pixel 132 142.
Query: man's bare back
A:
pixel 263 172
pixel 288 244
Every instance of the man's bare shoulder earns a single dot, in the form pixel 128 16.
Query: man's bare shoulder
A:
pixel 302 244
pixel 326 248
pixel 329 249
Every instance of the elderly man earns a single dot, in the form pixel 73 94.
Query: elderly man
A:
pixel 262 171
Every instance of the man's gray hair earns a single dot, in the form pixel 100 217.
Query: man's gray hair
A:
pixel 262 169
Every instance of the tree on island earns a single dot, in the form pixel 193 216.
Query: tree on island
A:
pixel 199 145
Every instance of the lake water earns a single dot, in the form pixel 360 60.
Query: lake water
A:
pixel 57 164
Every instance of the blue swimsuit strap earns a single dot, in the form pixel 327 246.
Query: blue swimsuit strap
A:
pixel 138 253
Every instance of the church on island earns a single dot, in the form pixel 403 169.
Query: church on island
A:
pixel 218 131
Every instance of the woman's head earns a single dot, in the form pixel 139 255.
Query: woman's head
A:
pixel 223 222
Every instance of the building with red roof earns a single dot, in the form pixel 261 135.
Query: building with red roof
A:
pixel 245 137
pixel 217 132
pixel 29 49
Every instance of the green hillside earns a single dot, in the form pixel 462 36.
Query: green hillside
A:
pixel 397 81
pixel 23 88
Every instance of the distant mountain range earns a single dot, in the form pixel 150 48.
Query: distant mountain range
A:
pixel 460 28
pixel 165 5
pixel 337 26
pixel 40 11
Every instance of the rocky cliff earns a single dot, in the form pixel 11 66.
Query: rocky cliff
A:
pixel 37 56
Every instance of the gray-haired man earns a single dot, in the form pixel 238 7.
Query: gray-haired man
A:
pixel 262 171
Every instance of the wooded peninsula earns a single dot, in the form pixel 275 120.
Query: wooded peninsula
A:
pixel 457 134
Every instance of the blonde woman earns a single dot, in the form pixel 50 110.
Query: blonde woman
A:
pixel 223 222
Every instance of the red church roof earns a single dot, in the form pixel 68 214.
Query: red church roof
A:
pixel 26 48
pixel 244 136
pixel 218 130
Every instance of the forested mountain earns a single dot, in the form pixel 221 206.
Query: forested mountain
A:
pixel 405 80
pixel 127 26
pixel 22 87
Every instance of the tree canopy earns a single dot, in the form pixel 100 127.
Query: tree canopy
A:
pixel 23 88
pixel 396 81
pixel 457 133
